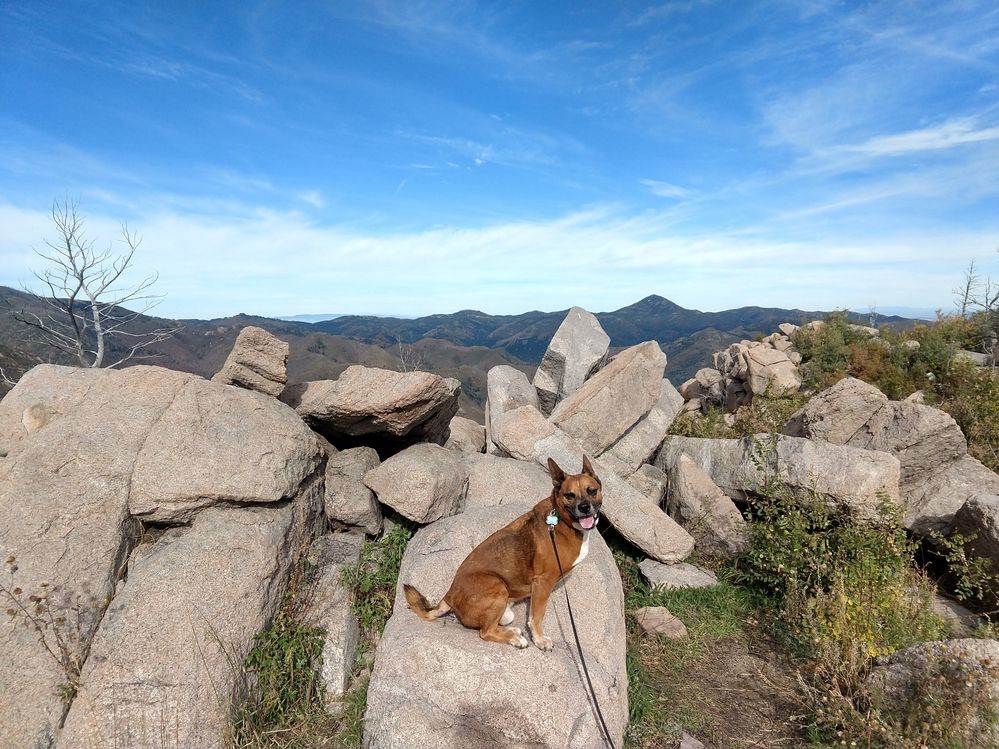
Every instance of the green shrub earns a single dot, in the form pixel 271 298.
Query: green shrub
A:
pixel 284 661
pixel 847 590
pixel 373 579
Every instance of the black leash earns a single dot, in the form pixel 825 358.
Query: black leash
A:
pixel 579 647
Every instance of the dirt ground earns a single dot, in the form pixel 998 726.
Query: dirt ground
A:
pixel 750 695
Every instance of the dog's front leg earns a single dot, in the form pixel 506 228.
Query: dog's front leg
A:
pixel 541 588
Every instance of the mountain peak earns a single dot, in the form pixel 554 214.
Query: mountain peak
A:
pixel 653 302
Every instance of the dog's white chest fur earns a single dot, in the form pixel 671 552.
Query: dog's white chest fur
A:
pixel 584 549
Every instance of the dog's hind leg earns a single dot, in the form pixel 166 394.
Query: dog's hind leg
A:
pixel 488 609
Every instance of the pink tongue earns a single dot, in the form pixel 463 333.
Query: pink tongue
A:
pixel 587 522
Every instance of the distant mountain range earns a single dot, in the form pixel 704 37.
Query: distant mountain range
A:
pixel 464 344
pixel 677 329
pixel 307 318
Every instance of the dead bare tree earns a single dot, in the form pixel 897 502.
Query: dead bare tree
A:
pixel 85 296
pixel 964 295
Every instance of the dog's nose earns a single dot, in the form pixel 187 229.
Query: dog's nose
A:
pixel 584 508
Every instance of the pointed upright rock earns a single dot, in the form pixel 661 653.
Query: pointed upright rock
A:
pixel 577 350
pixel 613 400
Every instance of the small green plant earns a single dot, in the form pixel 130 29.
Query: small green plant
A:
pixel 973 579
pixel 373 579
pixel 283 664
pixel 62 622
pixel 848 589
pixel 708 425
pixel 768 412
pixel 285 705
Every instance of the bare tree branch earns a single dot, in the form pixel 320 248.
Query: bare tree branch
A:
pixel 85 291
pixel 965 293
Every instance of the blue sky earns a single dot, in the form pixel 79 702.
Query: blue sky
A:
pixel 411 158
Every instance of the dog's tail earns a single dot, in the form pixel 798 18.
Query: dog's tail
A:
pixel 421 606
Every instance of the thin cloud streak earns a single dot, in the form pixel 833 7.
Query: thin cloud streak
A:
pixel 604 259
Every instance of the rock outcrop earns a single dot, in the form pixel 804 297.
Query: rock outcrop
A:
pixel 238 467
pixel 526 435
pixel 978 519
pixel 680 575
pixel 931 505
pixel 258 361
pixel 507 388
pixel 326 602
pixel 348 501
pixel 466 436
pixel 218 444
pixel 424 482
pixel 437 685
pixel 844 477
pixel 494 481
pixel 745 369
pixel 640 443
pixel 379 405
pixel 837 413
pixel 705 511
pixel 965 668
pixel 192 604
pixel 576 351
pixel 937 476
pixel 612 401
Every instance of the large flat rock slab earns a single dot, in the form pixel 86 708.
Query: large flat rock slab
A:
pixel 401 407
pixel 168 656
pixel 844 477
pixel 64 517
pixel 613 400
pixel 436 685
pixel 220 444
pixel 494 481
pixel 641 442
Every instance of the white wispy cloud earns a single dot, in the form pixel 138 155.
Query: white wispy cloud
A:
pixel 946 135
pixel 272 262
pixel 313 197
pixel 666 189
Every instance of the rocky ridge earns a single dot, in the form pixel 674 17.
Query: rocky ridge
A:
pixel 175 508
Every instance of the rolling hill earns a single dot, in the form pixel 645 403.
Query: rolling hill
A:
pixel 463 345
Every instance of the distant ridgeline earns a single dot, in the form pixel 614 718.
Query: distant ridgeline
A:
pixel 463 345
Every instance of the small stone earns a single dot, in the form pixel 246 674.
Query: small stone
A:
pixel 657 620
pixel 679 575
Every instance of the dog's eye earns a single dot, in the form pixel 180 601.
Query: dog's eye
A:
pixel 570 495
pixel 591 491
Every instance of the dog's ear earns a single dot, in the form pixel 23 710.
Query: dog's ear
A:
pixel 588 468
pixel 557 474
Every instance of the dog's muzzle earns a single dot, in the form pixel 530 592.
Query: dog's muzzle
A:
pixel 587 515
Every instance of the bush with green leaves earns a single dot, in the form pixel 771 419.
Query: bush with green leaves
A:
pixel 846 590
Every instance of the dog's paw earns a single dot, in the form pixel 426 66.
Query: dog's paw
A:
pixel 519 641
pixel 544 643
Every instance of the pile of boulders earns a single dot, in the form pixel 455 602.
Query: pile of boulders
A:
pixel 172 510
pixel 748 368
pixel 745 369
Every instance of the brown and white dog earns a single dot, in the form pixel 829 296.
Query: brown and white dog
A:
pixel 518 562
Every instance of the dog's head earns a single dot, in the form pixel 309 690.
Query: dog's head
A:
pixel 577 497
